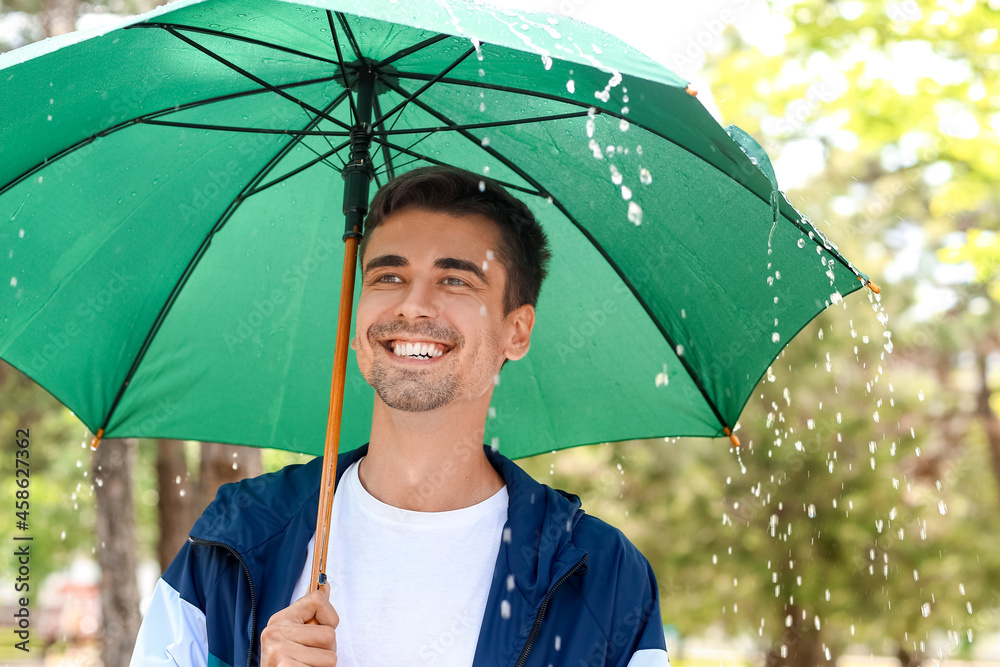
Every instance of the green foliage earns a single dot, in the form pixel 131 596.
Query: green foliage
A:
pixel 61 512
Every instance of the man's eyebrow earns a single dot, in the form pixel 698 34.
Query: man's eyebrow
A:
pixel 455 264
pixel 386 260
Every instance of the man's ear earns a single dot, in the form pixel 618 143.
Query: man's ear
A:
pixel 520 322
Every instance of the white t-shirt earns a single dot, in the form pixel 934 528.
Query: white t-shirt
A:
pixel 410 587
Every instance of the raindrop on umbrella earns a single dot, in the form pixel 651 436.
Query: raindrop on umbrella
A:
pixel 634 213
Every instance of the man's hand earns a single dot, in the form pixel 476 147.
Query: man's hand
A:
pixel 303 634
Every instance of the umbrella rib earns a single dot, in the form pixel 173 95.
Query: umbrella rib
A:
pixel 403 164
pixel 196 258
pixel 411 97
pixel 170 27
pixel 387 161
pixel 413 49
pixel 248 130
pixel 239 70
pixel 320 157
pixel 350 35
pixel 510 164
pixel 496 123
pixel 340 60
pixel 426 158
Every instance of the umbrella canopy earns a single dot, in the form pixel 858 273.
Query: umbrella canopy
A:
pixel 172 201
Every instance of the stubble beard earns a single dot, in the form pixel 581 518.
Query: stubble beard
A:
pixel 409 390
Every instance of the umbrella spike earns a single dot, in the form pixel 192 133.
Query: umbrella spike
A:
pixel 870 285
pixel 96 442
pixel 732 436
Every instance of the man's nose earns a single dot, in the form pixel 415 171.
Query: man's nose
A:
pixel 419 299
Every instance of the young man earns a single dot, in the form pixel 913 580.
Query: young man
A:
pixel 442 551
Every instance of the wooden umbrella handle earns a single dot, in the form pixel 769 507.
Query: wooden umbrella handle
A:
pixel 332 447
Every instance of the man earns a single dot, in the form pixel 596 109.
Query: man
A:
pixel 442 551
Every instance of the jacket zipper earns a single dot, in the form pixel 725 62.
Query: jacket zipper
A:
pixel 537 627
pixel 253 597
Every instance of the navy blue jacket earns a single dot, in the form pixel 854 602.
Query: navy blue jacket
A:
pixel 582 594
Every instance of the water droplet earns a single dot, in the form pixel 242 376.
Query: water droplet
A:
pixel 616 176
pixel 812 515
pixel 662 379
pixel 775 337
pixel 510 582
pixel 13 281
pixel 623 125
pixel 571 86
pixel 596 149
pixel 485 142
pixel 547 62
pixel 645 177
pixel 626 192
pixel 942 507
pixel 505 609
pixel 634 213
pixel 479 53
pixel 482 186
pixel 802 243
pixel 558 642
pixel 925 609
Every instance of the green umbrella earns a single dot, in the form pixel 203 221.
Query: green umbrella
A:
pixel 171 198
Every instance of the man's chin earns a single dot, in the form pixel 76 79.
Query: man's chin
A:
pixel 413 396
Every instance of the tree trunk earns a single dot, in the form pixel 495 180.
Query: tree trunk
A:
pixel 907 659
pixel 175 507
pixel 221 464
pixel 116 549
pixel 60 16
pixel 800 645
pixel 989 418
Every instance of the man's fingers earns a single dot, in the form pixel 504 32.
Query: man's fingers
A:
pixel 315 605
pixel 279 651
pixel 283 635
pixel 304 633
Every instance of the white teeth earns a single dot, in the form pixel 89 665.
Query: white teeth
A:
pixel 416 350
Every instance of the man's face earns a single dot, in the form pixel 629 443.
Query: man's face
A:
pixel 430 322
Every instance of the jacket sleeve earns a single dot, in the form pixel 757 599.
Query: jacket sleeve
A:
pixel 173 631
pixel 650 648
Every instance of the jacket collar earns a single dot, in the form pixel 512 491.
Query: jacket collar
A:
pixel 537 546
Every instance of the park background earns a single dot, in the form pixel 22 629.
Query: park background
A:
pixel 860 522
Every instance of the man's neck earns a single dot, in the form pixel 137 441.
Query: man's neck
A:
pixel 429 461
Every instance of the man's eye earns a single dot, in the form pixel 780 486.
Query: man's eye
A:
pixel 388 278
pixel 455 282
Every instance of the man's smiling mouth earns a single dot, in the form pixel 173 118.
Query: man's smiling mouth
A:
pixel 416 350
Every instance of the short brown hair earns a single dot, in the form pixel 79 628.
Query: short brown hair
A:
pixel 524 249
